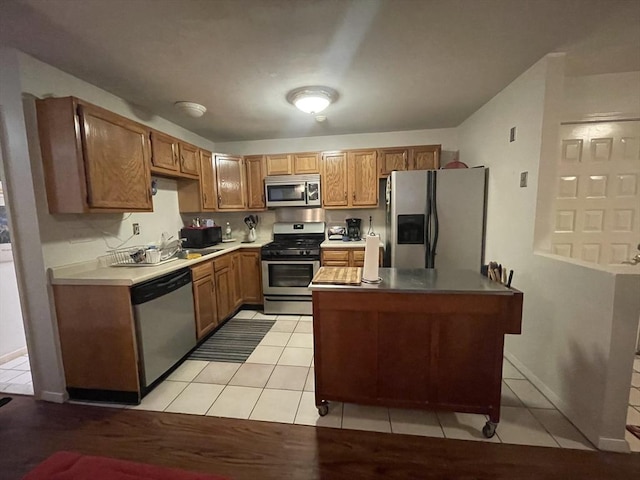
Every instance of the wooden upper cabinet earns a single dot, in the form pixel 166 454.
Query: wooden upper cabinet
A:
pixel 207 181
pixel 279 164
pixel 230 182
pixel 334 180
pixel 189 159
pixel 391 159
pixel 425 157
pixel 350 179
pixel 164 152
pixel 363 178
pixel 199 195
pixel 304 163
pixel 255 165
pixel 94 160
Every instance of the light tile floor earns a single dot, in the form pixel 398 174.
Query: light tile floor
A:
pixel 276 384
pixel 15 376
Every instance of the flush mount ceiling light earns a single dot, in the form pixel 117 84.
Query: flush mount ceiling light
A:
pixel 312 99
pixel 191 109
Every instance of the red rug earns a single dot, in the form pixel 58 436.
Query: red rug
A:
pixel 73 466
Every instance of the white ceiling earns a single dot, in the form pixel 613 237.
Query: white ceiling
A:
pixel 397 64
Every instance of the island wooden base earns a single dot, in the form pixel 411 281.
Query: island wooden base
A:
pixel 413 350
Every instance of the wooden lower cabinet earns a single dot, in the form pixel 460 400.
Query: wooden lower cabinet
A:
pixel 98 340
pixel 225 286
pixel 348 257
pixel 204 299
pixel 236 275
pixel 251 276
pixel 414 350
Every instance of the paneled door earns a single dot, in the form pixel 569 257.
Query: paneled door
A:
pixel 208 181
pixel 255 165
pixel 596 211
pixel 363 178
pixel 231 182
pixel 189 159
pixel 164 151
pixel 334 180
pixel 425 157
pixel 117 160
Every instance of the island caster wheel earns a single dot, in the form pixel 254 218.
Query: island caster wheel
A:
pixel 489 429
pixel 323 409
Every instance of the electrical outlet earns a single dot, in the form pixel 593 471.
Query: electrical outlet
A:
pixel 136 229
pixel 512 134
pixel 523 179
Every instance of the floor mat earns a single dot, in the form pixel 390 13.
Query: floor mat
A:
pixel 234 341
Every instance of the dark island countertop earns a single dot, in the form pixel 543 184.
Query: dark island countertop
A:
pixel 422 280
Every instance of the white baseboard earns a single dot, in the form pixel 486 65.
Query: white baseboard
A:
pixel 585 428
pixel 7 357
pixel 613 445
pixel 55 397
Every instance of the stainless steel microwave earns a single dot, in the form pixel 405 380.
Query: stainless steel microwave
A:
pixel 293 191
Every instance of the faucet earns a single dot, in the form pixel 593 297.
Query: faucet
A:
pixel 635 259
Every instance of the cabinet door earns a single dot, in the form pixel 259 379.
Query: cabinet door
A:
pixel 236 273
pixel 279 165
pixel 164 152
pixel 304 163
pixel 335 258
pixel 426 157
pixel 334 180
pixel 204 297
pixel 363 178
pixel 391 159
pixel 117 160
pixel 255 182
pixel 231 182
pixel 189 159
pixel 357 258
pixel 251 276
pixel 224 286
pixel 207 181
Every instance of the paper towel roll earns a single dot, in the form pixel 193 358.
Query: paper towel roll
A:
pixel 370 271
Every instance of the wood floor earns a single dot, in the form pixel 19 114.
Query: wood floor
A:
pixel 30 431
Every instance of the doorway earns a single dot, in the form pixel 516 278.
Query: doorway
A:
pixel 15 369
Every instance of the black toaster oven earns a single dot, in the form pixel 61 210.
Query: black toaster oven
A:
pixel 201 237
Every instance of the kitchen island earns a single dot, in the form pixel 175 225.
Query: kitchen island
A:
pixel 430 339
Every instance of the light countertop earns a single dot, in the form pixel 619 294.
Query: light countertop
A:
pixel 341 244
pixel 422 280
pixel 95 273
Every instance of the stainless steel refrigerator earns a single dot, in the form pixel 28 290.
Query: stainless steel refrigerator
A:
pixel 436 219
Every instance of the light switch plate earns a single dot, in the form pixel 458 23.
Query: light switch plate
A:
pixel 523 178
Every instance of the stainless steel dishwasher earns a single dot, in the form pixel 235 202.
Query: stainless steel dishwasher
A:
pixel 165 322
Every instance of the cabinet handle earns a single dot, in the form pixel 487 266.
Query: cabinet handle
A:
pixel 219 198
pixel 354 195
pixel 205 197
pixel 406 164
pixel 345 195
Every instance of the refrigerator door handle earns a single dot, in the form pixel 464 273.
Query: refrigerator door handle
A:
pixel 427 226
pixel 434 208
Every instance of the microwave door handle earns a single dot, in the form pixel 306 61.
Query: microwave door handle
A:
pixel 306 193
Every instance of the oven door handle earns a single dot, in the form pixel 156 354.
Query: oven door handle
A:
pixel 315 263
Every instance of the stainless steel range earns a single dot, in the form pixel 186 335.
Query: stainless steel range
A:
pixel 288 266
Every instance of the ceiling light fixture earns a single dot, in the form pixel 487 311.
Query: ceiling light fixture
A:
pixel 312 99
pixel 191 109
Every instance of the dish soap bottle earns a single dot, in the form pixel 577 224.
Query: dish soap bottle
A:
pixel 227 232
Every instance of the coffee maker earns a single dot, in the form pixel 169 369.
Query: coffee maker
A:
pixel 353 228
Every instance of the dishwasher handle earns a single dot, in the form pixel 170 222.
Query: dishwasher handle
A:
pixel 147 291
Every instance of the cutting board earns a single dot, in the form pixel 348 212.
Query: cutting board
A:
pixel 338 275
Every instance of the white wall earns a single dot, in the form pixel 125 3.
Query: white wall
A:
pixel 611 94
pixel 42 337
pixel 447 137
pixel 69 238
pixel 571 346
